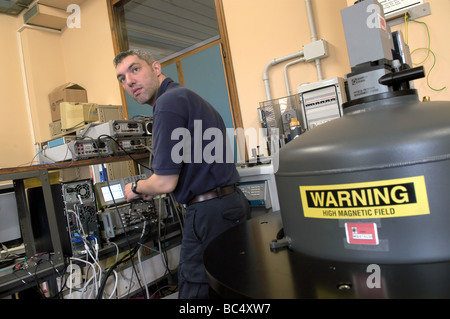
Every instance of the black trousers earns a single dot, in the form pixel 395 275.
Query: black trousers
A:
pixel 203 222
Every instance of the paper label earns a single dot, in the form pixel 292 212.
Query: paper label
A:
pixel 361 233
pixel 380 199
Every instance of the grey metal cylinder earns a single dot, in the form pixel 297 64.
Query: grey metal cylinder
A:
pixel 372 186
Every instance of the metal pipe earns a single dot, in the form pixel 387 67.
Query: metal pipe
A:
pixel 293 56
pixel 312 27
pixel 313 35
pixel 286 78
pixel 275 62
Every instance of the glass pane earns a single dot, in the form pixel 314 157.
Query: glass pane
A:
pixel 168 28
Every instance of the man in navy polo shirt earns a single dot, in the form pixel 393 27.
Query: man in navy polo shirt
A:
pixel 191 160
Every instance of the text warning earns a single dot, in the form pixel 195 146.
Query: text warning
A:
pixel 374 199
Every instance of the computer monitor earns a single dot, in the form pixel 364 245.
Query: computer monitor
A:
pixel 106 193
pixel 10 233
pixel 113 191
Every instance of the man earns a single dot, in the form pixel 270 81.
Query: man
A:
pixel 185 139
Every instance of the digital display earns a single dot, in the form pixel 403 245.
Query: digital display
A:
pixel 116 190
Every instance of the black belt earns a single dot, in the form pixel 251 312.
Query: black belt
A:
pixel 224 191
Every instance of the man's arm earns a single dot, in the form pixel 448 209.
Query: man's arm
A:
pixel 155 185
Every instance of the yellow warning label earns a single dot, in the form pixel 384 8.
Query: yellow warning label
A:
pixel 381 199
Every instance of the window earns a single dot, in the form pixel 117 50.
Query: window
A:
pixel 172 30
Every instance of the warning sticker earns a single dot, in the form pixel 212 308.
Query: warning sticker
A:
pixel 362 233
pixel 381 199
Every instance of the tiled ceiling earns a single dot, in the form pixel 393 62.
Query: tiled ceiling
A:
pixel 164 27
pixel 169 27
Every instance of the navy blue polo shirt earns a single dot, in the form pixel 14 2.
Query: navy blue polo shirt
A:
pixel 190 139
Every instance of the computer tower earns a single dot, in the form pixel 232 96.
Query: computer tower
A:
pixel 76 215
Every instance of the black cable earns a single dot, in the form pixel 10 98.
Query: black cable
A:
pixel 117 210
pixel 36 286
pixel 132 252
pixel 169 203
pixel 123 150
pixel 97 145
pixel 124 259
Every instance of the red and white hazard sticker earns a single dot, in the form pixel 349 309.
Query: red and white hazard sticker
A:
pixel 361 233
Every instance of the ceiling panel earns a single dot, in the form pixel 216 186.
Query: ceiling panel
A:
pixel 166 27
pixel 14 7
pixel 60 4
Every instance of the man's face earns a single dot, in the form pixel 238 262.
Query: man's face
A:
pixel 139 80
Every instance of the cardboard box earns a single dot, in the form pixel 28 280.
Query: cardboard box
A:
pixel 69 92
pixel 74 115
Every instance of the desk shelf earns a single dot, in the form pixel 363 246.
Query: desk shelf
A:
pixel 68 164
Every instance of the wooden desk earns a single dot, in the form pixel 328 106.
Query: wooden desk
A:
pixel 71 164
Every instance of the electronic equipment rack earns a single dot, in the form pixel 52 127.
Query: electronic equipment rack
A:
pixel 25 278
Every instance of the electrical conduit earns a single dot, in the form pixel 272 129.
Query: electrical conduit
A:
pixel 293 56
pixel 313 36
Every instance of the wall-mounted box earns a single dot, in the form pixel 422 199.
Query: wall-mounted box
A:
pixel 51 14
pixel 44 16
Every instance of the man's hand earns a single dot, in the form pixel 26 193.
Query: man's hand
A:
pixel 129 195
pixel 155 185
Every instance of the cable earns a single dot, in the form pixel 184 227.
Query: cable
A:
pixel 177 211
pixel 429 37
pixel 117 249
pixel 131 253
pixel 71 280
pixel 25 265
pixel 123 150
pixel 174 287
pixel 407 19
pixel 162 249
pixel 123 227
pixel 406 26
pixel 116 276
pixel 102 287
pixel 429 72
pixel 137 249
pixel 142 272
pixel 117 210
pixel 115 285
pixel 53 162
pixel 88 281
pixel 84 237
pixel 6 249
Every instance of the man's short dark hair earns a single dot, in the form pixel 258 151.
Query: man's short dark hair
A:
pixel 141 54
